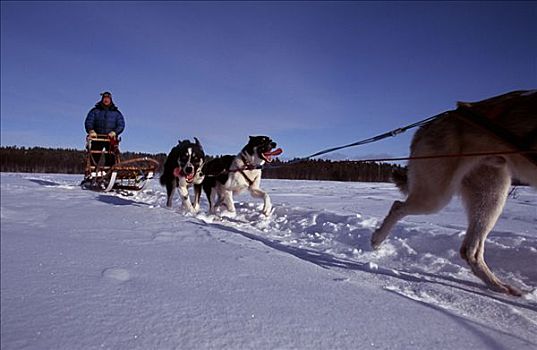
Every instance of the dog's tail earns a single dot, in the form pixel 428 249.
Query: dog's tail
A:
pixel 400 179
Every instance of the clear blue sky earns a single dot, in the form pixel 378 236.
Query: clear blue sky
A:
pixel 310 74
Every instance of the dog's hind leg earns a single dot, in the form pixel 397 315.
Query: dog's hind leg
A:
pixel 427 194
pixel 210 192
pixel 212 197
pixel 397 212
pixel 227 199
pixel 414 205
pixel 484 192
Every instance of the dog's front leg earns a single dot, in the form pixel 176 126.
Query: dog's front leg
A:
pixel 187 205
pixel 258 193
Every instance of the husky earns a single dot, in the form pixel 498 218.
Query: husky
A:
pixel 482 181
pixel 230 174
pixel 182 169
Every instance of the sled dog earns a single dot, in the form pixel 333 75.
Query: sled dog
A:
pixel 182 169
pixel 230 174
pixel 482 181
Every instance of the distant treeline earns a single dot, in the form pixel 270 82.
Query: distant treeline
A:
pixel 330 170
pixel 53 160
pixel 72 161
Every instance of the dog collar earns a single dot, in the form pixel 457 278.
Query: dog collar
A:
pixel 248 165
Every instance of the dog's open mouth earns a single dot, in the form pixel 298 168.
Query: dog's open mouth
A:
pixel 178 172
pixel 189 177
pixel 268 155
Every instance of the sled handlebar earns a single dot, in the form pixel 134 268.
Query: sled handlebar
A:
pixel 102 137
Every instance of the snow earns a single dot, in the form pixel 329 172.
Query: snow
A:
pixel 88 270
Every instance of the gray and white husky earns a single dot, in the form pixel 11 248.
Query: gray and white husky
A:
pixel 482 181
pixel 230 174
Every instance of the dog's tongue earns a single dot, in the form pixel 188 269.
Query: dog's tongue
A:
pixel 268 155
pixel 178 172
pixel 276 152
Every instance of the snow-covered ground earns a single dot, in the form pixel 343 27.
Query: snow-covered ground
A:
pixel 87 270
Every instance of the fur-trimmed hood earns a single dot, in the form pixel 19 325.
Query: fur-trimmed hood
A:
pixel 100 106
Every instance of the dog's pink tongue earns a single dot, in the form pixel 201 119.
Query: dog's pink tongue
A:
pixel 276 152
pixel 177 172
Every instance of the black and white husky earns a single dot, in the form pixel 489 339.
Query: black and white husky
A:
pixel 182 170
pixel 230 174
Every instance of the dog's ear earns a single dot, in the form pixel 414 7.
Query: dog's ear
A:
pixel 249 148
pixel 198 143
pixel 253 139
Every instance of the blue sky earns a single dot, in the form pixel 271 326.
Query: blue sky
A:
pixel 311 75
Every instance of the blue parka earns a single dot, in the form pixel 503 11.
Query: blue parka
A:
pixel 104 119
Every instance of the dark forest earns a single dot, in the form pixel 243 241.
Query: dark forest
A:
pixel 71 161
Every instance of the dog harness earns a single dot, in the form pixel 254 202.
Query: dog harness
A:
pixel 501 105
pixel 248 166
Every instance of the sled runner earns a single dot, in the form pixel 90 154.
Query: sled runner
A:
pixel 104 170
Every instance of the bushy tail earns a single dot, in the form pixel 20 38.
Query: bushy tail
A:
pixel 400 179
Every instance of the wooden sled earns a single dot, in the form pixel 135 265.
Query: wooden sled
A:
pixel 104 170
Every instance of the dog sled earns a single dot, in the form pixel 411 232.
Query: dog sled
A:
pixel 105 171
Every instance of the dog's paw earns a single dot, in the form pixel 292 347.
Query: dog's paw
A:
pixel 228 214
pixel 269 212
pixel 377 238
pixel 188 210
pixel 515 291
pixel 376 242
pixel 506 289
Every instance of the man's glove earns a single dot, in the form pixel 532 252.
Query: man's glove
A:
pixel 92 134
pixel 112 134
